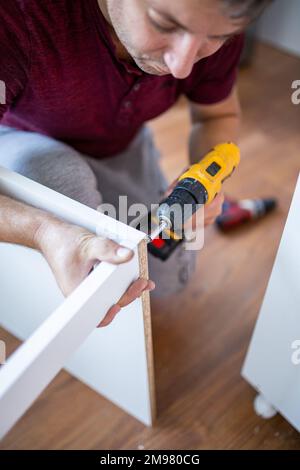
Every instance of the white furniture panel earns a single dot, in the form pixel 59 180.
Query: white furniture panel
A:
pixel 270 364
pixel 116 361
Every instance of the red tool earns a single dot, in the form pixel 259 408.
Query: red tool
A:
pixel 236 213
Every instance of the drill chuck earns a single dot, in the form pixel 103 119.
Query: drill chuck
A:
pixel 182 203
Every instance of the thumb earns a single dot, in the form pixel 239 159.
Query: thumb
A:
pixel 104 249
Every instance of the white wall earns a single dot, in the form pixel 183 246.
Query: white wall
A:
pixel 280 25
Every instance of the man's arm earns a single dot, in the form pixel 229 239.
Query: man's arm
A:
pixel 20 223
pixel 70 251
pixel 211 125
pixel 214 124
pixel 25 225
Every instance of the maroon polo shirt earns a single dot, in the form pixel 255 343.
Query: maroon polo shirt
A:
pixel 63 78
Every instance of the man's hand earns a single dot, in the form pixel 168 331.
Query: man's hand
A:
pixel 72 252
pixel 213 210
pixel 199 220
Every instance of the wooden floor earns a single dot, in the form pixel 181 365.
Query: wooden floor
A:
pixel 201 335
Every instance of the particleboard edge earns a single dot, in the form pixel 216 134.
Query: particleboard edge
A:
pixel 144 273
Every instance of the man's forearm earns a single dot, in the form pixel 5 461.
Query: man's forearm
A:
pixel 20 223
pixel 71 251
pixel 209 133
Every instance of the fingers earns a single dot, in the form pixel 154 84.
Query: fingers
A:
pixel 103 249
pixel 174 183
pixel 217 203
pixel 133 292
pixel 209 221
pixel 112 312
pixel 219 199
pixel 200 220
pixel 170 188
pixel 214 209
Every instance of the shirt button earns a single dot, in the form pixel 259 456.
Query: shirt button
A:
pixel 136 87
pixel 127 104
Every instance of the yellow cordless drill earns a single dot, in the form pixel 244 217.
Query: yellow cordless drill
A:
pixel 199 185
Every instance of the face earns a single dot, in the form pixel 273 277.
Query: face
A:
pixel 169 36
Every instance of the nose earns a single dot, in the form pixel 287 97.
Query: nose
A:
pixel 181 58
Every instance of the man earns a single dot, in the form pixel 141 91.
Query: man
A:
pixel 81 80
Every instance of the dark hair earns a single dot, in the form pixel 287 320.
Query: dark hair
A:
pixel 245 9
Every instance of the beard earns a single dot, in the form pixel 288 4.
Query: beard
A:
pixel 127 51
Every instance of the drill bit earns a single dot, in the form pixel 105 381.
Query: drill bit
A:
pixel 156 232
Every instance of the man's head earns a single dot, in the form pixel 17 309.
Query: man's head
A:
pixel 170 36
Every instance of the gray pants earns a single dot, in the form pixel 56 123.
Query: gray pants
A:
pixel 135 173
